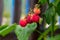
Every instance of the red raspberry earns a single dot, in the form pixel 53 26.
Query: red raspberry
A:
pixel 23 22
pixel 37 11
pixel 29 17
pixel 35 18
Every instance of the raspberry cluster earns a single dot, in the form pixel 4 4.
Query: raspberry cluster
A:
pixel 31 17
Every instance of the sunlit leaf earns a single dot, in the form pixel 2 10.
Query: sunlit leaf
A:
pixel 7 30
pixel 2 27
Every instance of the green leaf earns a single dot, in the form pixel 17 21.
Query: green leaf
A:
pixel 58 9
pixel 2 27
pixel 55 3
pixel 48 14
pixel 23 33
pixel 42 1
pixel 7 30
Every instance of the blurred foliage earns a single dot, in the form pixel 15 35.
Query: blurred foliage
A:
pixel 42 1
pixel 47 31
pixel 50 15
pixel 58 8
pixel 55 3
pixel 57 37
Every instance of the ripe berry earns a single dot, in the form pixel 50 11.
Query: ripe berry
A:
pixel 35 18
pixel 23 22
pixel 37 11
pixel 29 17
